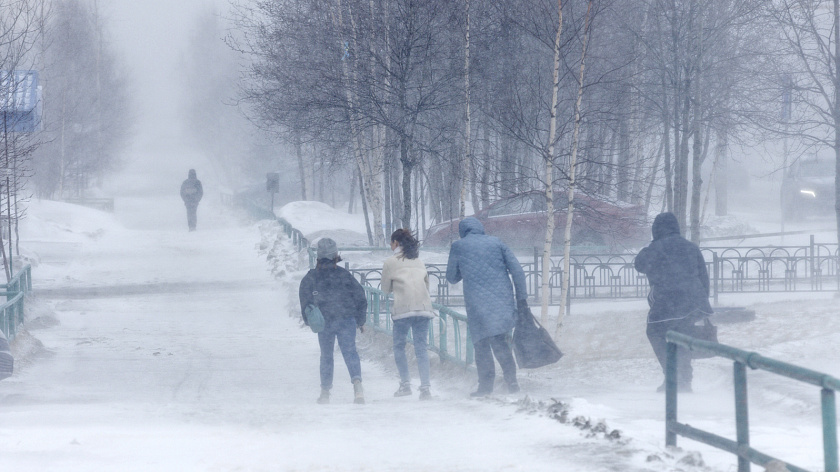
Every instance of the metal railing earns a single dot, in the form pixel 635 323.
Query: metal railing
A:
pixel 743 359
pixel 449 337
pixel 813 268
pixel 300 242
pixel 11 312
pixel 21 281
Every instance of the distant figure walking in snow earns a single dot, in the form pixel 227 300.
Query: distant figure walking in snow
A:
pixel 405 275
pixel 191 193
pixel 341 300
pixel 486 266
pixel 679 291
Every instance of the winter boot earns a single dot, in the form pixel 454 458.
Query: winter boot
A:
pixel 358 392
pixel 404 390
pixel 513 388
pixel 482 392
pixel 324 398
pixel 425 394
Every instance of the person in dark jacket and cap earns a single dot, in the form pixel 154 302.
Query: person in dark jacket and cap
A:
pixel 679 290
pixel 191 193
pixel 343 303
pixel 486 266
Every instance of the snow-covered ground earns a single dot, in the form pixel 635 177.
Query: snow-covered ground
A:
pixel 151 348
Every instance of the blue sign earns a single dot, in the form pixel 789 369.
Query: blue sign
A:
pixel 20 101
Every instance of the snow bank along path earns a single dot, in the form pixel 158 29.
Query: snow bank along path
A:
pixel 174 351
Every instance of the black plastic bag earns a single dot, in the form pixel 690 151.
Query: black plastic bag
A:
pixel 532 344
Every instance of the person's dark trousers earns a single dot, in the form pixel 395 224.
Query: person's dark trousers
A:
pixel 484 351
pixel 191 216
pixel 656 336
pixel 343 329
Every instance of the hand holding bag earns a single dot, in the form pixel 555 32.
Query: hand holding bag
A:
pixel 706 332
pixel 532 345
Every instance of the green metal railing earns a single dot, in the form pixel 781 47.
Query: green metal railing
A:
pixel 743 359
pixel 20 282
pixel 449 337
pixel 11 312
pixel 300 242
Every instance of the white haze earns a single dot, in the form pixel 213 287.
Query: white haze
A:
pixel 217 376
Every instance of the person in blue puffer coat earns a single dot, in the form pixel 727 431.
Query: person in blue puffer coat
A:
pixel 486 265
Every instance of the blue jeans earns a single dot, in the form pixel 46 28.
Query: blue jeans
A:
pixel 419 327
pixel 344 329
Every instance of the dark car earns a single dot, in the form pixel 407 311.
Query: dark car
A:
pixel 808 189
pixel 520 221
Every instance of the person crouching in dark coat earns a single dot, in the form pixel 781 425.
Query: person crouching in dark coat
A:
pixel 679 291
pixel 487 265
pixel 343 303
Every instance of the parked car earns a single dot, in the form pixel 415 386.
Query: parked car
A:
pixel 808 189
pixel 520 221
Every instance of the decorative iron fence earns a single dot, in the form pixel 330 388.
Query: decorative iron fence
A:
pixel 743 359
pixel 815 267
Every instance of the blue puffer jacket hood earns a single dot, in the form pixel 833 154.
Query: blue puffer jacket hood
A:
pixel 665 224
pixel 470 225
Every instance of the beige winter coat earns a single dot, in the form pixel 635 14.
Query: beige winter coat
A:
pixel 409 281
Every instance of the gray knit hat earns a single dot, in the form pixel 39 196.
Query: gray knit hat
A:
pixel 327 249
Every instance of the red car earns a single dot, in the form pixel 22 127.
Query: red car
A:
pixel 520 222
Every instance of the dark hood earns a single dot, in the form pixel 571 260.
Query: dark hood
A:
pixel 470 225
pixel 191 174
pixel 665 224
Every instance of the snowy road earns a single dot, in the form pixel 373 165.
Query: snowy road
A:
pixel 168 350
pixel 174 351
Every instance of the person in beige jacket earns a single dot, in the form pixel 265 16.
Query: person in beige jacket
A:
pixel 405 275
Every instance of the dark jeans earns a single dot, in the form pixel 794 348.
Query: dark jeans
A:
pixel 343 329
pixel 484 351
pixel 656 336
pixel 419 327
pixel 191 216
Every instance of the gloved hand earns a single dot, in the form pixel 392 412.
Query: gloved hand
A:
pixel 361 329
pixel 521 305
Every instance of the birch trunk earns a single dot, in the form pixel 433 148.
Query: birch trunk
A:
pixel 370 164
pixel 301 165
pixel 837 116
pixel 567 244
pixel 467 131
pixel 549 172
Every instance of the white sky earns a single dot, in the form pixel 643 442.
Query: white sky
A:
pixel 151 36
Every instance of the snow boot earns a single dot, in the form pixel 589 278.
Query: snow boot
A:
pixel 482 392
pixel 425 394
pixel 358 392
pixel 513 388
pixel 404 390
pixel 324 398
